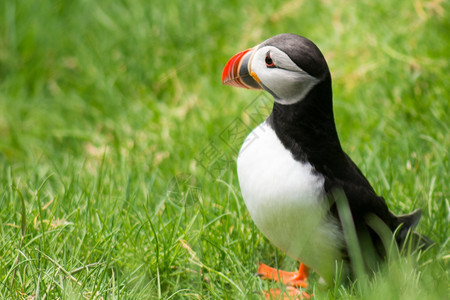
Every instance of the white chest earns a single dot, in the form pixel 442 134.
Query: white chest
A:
pixel 272 181
pixel 285 198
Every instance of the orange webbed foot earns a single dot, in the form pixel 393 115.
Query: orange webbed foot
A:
pixel 293 279
pixel 290 293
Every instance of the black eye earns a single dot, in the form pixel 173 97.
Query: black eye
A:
pixel 269 61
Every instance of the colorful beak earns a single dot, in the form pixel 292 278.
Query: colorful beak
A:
pixel 237 71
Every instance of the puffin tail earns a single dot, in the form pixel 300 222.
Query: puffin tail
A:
pixel 408 238
pixel 409 220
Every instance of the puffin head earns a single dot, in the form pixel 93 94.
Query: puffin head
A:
pixel 287 65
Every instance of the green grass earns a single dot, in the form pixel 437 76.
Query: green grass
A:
pixel 108 108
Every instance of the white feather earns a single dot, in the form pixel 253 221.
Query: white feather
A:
pixel 286 200
pixel 287 82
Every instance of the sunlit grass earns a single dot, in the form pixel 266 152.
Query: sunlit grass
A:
pixel 113 132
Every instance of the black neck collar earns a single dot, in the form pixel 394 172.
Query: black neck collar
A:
pixel 307 127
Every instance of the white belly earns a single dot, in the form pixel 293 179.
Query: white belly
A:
pixel 287 201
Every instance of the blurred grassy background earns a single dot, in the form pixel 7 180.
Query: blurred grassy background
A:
pixel 108 110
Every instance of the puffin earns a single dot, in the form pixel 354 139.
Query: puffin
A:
pixel 293 173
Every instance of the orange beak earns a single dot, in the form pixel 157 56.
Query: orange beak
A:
pixel 237 71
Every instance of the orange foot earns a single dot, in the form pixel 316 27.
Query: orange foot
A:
pixel 290 293
pixel 291 279
pixel 297 279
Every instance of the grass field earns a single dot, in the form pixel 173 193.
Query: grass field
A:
pixel 118 142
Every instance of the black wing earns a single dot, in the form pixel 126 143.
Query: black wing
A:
pixel 361 197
